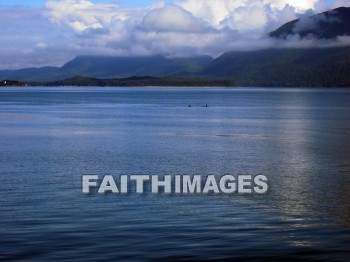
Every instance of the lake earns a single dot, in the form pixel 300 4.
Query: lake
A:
pixel 298 138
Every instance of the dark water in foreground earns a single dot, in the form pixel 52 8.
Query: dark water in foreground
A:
pixel 299 139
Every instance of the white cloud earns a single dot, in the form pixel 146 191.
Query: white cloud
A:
pixel 81 15
pixel 253 13
pixel 214 12
pixel 252 16
pixel 299 5
pixel 172 18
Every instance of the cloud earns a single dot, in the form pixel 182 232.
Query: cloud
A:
pixel 172 18
pixel 299 5
pixel 62 29
pixel 213 12
pixel 252 16
pixel 253 13
pixel 83 15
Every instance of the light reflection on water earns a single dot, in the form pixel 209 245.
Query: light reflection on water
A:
pixel 299 139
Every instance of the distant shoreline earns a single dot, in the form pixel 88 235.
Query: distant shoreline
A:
pixel 146 82
pixel 177 87
pixel 164 82
pixel 135 87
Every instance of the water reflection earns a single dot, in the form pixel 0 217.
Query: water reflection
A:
pixel 310 183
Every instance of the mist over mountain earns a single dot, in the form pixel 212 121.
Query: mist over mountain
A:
pixel 324 67
pixel 327 25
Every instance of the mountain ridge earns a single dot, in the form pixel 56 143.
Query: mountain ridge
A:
pixel 112 67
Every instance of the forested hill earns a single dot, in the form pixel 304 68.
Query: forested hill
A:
pixel 312 67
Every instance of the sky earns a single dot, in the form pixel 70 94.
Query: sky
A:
pixel 40 33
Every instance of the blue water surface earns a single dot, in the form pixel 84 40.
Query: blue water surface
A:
pixel 298 138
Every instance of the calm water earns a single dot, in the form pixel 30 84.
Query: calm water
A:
pixel 299 139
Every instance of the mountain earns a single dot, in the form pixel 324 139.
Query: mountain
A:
pixel 112 67
pixel 30 74
pixel 327 25
pixel 323 67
